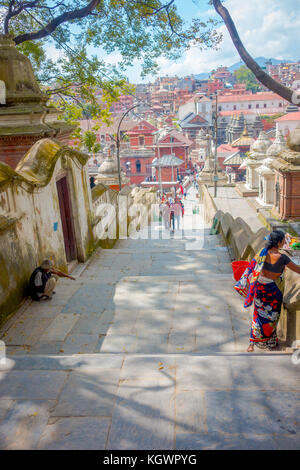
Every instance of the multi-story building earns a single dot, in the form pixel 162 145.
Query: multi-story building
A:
pixel 198 105
pixel 123 104
pixel 222 74
pixel 286 72
pixel 137 160
pixel 164 98
pixel 173 142
pixel 254 103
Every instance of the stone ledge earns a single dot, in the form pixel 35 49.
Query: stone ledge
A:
pixel 243 191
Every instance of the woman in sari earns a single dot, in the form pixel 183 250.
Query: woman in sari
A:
pixel 259 284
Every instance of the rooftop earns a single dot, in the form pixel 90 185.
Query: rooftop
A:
pixel 261 96
pixel 289 117
pixel 167 160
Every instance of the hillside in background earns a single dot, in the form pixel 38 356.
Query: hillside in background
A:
pixel 260 60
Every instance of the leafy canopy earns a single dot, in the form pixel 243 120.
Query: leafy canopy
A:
pixel 244 75
pixel 135 29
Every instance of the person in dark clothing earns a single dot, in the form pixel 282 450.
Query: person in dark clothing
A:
pixel 92 182
pixel 43 280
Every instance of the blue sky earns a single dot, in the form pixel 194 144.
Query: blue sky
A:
pixel 268 28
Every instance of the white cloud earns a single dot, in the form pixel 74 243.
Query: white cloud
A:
pixel 269 28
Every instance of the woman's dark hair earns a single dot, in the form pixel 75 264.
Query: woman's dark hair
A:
pixel 274 238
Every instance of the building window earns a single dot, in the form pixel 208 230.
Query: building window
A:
pixel 172 140
pixel 234 107
pixel 141 141
pixel 220 108
pixel 265 105
pixel 280 105
pixel 138 166
pixel 257 105
pixel 249 106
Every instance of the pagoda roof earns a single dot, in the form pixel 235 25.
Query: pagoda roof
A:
pixel 244 140
pixel 235 158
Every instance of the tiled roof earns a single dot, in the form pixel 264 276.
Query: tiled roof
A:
pixel 178 136
pixel 243 141
pixel 189 117
pixel 262 96
pixel 225 148
pixel 234 159
pixel 126 125
pixel 289 117
pixel 167 160
pixel 244 111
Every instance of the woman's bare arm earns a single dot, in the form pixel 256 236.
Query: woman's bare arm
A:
pixel 293 267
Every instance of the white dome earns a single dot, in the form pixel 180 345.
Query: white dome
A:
pixel 262 143
pixel 108 167
pixel 277 146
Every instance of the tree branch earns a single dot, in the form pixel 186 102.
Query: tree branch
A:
pixel 261 76
pixel 50 27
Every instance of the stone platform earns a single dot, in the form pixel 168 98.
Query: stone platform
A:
pixel 146 350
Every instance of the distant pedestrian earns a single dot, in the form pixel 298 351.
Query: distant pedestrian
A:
pixel 166 215
pixel 177 214
pixel 172 216
pixel 92 182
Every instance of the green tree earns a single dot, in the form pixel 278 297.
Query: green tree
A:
pixel 244 75
pixel 136 29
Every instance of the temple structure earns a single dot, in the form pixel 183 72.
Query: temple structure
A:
pixel 233 162
pixel 198 155
pixel 266 174
pixel 25 117
pixel 252 163
pixel 287 179
pixel 235 127
pixel 108 173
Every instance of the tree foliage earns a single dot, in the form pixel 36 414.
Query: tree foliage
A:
pixel 244 75
pixel 134 29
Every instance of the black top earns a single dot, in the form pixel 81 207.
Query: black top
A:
pixel 37 282
pixel 279 266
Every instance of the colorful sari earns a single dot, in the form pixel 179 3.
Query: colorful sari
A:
pixel 267 299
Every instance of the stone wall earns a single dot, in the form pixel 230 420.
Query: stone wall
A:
pixel 118 215
pixel 244 244
pixel 30 219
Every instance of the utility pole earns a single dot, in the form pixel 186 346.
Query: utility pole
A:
pixel 118 142
pixel 216 146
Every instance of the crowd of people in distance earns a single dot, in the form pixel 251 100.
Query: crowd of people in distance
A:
pixel 171 212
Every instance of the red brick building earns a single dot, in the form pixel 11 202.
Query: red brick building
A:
pixel 123 104
pixel 174 143
pixel 137 161
pixel 166 170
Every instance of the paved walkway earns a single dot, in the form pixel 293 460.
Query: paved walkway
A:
pixel 228 200
pixel 146 350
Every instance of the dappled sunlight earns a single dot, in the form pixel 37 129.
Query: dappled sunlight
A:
pixel 146 350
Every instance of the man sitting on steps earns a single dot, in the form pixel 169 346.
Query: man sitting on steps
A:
pixel 43 280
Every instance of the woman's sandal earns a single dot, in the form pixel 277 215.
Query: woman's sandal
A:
pixel 250 348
